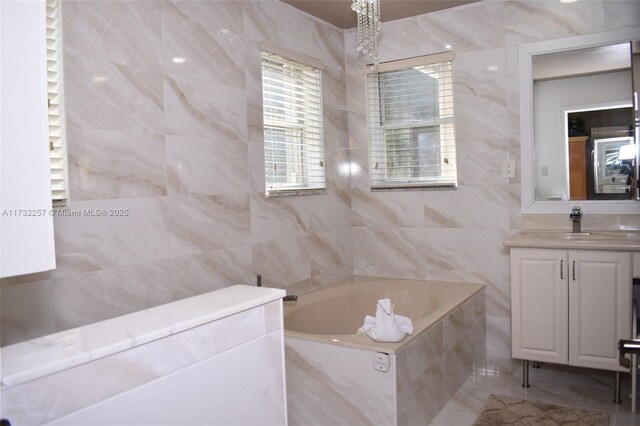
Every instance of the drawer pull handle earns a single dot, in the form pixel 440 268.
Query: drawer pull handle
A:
pixel 561 269
pixel 574 270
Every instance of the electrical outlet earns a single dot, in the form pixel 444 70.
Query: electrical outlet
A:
pixel 509 168
pixel 545 171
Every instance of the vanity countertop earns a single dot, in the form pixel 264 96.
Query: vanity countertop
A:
pixel 49 354
pixel 597 240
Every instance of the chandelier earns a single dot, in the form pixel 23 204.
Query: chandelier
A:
pixel 369 27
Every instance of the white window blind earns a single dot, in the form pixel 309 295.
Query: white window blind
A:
pixel 411 124
pixel 57 137
pixel 293 139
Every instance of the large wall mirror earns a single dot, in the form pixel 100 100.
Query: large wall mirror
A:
pixel 579 123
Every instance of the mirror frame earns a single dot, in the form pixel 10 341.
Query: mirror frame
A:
pixel 527 154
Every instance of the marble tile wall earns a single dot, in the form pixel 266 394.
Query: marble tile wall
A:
pixel 457 234
pixel 179 146
pixel 258 330
pixel 433 367
pixel 164 107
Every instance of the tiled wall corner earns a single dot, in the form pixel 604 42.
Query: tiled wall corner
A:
pixel 164 101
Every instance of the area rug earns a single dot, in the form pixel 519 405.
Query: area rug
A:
pixel 506 410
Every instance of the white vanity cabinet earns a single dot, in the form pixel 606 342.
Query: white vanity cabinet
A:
pixel 570 306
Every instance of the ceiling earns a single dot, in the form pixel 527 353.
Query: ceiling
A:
pixel 339 13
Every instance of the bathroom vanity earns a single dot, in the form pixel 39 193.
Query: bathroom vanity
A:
pixel 571 296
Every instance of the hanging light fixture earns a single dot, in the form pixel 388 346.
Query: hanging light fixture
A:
pixel 369 27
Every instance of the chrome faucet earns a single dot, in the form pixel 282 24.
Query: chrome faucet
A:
pixel 576 218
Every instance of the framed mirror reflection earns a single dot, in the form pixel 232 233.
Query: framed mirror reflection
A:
pixel 584 124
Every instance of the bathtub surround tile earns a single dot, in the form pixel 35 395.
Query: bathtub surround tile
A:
pixel 343 366
pixel 328 251
pixel 204 272
pixel 96 296
pixel 386 209
pixel 414 361
pixel 197 108
pixel 102 95
pixel 457 324
pixel 133 231
pixel 399 249
pixel 319 280
pixel 120 32
pixel 311 399
pixel 27 311
pixel 281 262
pixel 463 356
pixel 278 217
pixel 336 385
pixel 106 164
pixel 413 390
pixel 416 411
pixel 202 52
pixel 330 211
pixel 206 223
pixel 460 360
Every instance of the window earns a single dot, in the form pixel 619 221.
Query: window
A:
pixel 293 140
pixel 57 137
pixel 411 129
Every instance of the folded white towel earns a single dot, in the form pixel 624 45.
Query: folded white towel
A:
pixel 386 326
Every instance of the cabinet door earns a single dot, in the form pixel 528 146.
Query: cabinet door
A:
pixel 600 296
pixel 26 228
pixel 539 305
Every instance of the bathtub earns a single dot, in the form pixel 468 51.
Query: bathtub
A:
pixel 335 376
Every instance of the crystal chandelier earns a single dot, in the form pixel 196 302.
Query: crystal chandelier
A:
pixel 369 27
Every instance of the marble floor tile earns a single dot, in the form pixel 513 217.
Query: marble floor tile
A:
pixel 556 384
pixel 449 417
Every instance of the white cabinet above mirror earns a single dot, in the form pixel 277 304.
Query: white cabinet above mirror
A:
pixel 576 103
